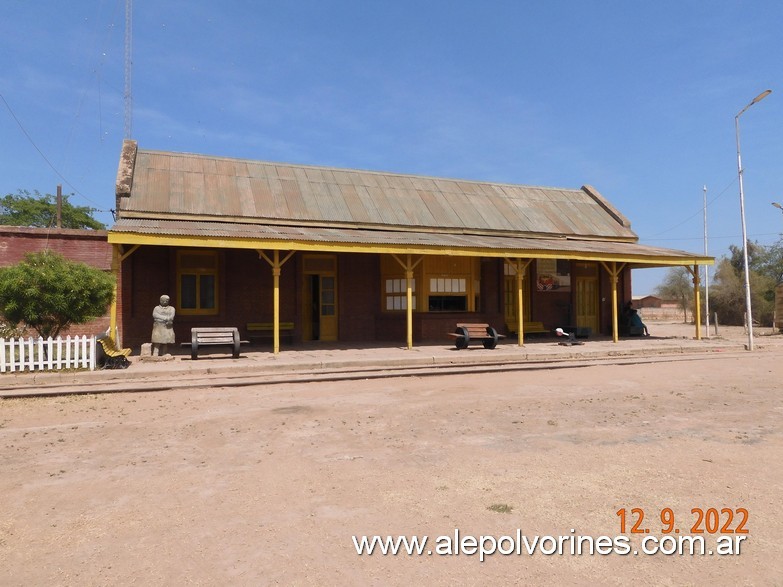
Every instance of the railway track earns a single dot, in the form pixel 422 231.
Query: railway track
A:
pixel 245 379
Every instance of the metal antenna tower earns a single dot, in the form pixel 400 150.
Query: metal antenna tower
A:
pixel 128 67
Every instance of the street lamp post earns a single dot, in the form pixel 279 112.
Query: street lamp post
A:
pixel 748 311
pixel 779 206
pixel 706 274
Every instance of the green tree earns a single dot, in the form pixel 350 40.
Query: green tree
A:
pixel 771 262
pixel 37 210
pixel 677 285
pixel 48 293
pixel 727 295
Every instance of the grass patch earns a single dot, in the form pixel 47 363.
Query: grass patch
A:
pixel 500 508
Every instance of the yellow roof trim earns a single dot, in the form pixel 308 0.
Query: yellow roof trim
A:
pixel 130 238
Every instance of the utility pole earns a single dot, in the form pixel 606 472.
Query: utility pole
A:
pixel 59 205
pixel 706 272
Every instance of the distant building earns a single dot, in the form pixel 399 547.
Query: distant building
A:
pixel 647 301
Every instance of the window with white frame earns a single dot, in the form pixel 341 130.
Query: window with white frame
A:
pixel 448 294
pixel 396 295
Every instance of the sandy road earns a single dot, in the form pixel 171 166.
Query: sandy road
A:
pixel 267 484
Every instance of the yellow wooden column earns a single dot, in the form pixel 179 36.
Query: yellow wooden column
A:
pixel 520 304
pixel 276 303
pixel 408 265
pixel 614 274
pixel 117 257
pixel 615 324
pixel 276 265
pixel 520 267
pixel 115 270
pixel 696 298
pixel 409 301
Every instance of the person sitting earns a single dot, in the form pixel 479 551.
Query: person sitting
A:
pixel 625 315
pixel 636 322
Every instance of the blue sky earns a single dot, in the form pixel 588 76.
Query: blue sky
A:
pixel 636 98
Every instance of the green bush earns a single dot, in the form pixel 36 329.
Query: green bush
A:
pixel 48 293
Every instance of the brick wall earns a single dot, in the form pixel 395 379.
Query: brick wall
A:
pixel 84 246
pixel 245 293
pixel 359 296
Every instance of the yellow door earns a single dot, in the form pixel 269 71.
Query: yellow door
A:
pixel 587 303
pixel 511 302
pixel 510 298
pixel 320 297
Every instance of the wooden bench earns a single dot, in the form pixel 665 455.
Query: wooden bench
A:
pixel 214 336
pixel 114 358
pixel 468 333
pixel 534 328
pixel 264 330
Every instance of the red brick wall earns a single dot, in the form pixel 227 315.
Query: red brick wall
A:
pixel 245 292
pixel 491 299
pixel 359 296
pixel 84 246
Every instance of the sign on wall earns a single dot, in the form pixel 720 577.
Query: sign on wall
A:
pixel 553 275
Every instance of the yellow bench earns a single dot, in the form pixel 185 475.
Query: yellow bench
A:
pixel 264 330
pixel 534 328
pixel 114 358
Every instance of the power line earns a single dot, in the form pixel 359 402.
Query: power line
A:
pixel 44 157
pixel 694 214
pixel 698 238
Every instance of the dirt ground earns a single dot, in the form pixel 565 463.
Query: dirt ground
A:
pixel 267 484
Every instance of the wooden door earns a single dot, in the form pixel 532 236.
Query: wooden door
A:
pixel 320 297
pixel 587 303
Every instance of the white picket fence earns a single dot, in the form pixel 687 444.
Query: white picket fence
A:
pixel 39 354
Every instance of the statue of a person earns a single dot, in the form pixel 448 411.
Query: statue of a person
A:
pixel 162 326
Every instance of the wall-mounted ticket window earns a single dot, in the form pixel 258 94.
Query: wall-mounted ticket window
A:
pixel 453 283
pixel 448 294
pixel 197 282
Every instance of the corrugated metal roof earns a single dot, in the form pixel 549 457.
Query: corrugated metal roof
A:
pixel 201 187
pixel 572 248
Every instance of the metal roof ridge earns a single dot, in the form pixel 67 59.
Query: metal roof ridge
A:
pixel 355 170
pixel 334 225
